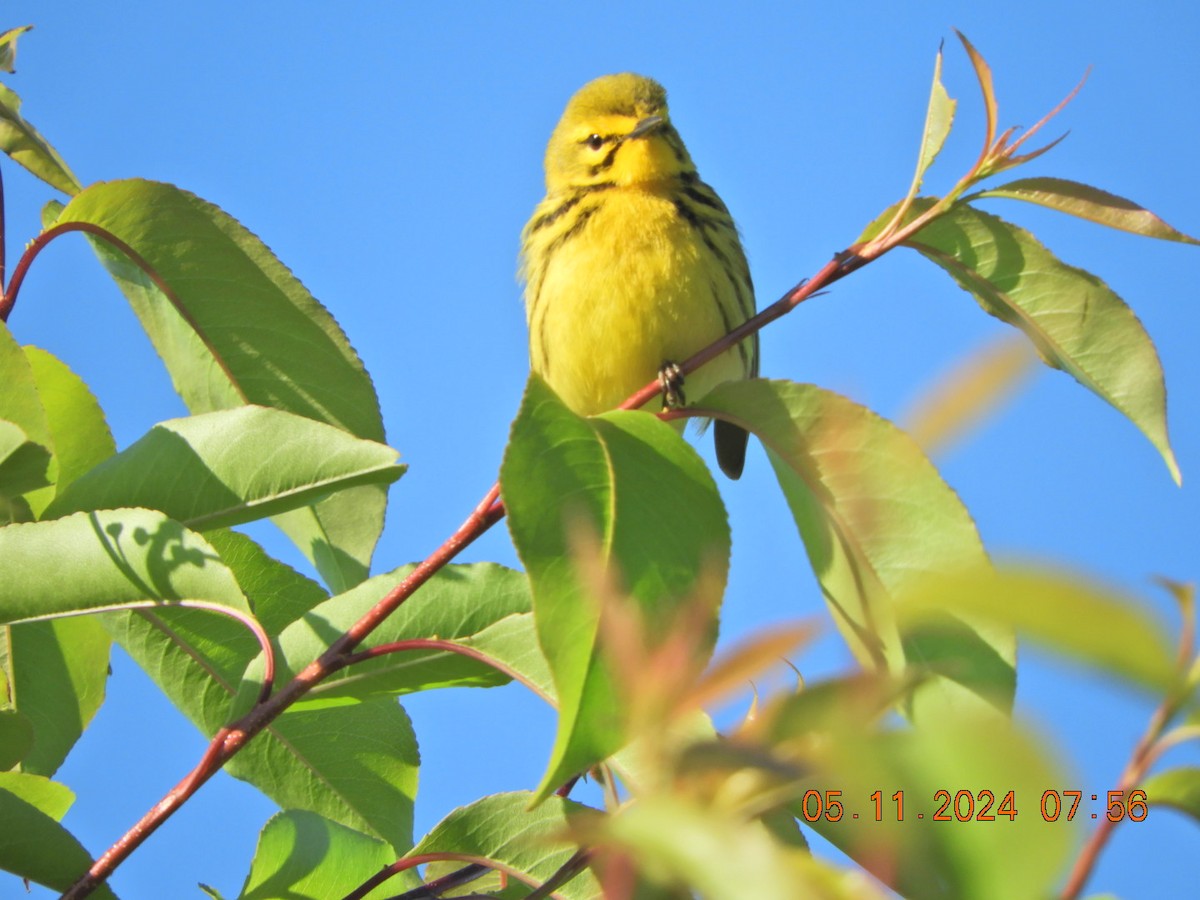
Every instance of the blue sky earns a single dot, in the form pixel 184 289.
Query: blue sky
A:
pixel 390 153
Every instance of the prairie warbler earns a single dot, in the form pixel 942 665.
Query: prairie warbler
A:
pixel 631 262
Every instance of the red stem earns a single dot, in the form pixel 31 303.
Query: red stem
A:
pixel 229 740
pixel 4 309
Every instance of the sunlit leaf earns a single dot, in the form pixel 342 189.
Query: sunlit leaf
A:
pixel 1177 788
pixel 630 481
pixel 231 466
pixel 889 783
pixel 1074 320
pixel 939 117
pixel 527 844
pixel 105 560
pixel 1065 612
pixel 302 856
pixel 723 857
pixel 875 516
pixel 25 440
pixel 78 431
pixel 1089 203
pixel 456 606
pixel 8 48
pixel 26 146
pixel 234 327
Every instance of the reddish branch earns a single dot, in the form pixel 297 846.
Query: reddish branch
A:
pixel 230 739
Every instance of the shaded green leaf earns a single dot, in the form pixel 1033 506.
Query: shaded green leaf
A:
pixel 302 856
pixel 457 605
pixel 875 516
pixel 355 765
pixel 235 327
pixel 630 481
pixel 1073 319
pixel 16 738
pixel 530 845
pixel 1177 789
pixel 58 672
pixel 24 465
pixel 77 429
pixel 1089 203
pixel 1065 612
pixel 32 843
pixel 21 141
pixel 232 466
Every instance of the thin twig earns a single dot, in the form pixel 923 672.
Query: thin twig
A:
pixel 230 740
pixel 1143 755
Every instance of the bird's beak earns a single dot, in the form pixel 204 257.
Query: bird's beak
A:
pixel 644 127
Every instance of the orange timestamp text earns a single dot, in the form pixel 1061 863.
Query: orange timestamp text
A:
pixel 976 806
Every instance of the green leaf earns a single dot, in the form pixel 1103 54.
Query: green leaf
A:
pixel 302 856
pixel 232 466
pixel 57 672
pixel 1177 788
pixel 858 488
pixel 8 48
pixel 643 493
pixel 353 764
pixel 723 857
pixel 90 562
pixel 457 605
pixel 76 426
pixel 977 760
pixel 32 843
pixel 278 594
pixel 1051 608
pixel 1073 319
pixel 16 738
pixel 1089 203
pixel 234 327
pixel 197 659
pixel 528 844
pixel 21 141
pixel 24 465
pixel 20 403
pixel 939 117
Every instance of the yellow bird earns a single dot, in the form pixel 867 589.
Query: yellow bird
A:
pixel 631 263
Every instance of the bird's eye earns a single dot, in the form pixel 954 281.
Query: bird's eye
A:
pixel 594 141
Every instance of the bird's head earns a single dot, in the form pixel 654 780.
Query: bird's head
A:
pixel 615 130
